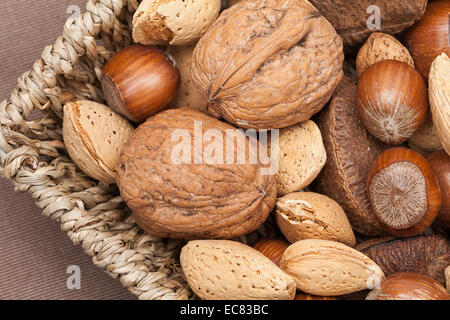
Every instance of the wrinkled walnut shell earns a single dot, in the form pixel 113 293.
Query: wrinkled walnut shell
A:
pixel 174 195
pixel 268 64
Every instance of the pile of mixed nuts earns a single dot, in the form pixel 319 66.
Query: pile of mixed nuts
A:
pixel 331 116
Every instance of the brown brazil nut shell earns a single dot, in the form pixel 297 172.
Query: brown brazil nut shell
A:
pixel 268 63
pixel 381 46
pixel 230 270
pixel 301 155
pixel 351 150
pixel 309 215
pixel 328 268
pixel 409 286
pixel 422 254
pixel 178 198
pixel 350 18
pixel 94 136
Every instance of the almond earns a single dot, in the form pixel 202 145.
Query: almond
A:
pixel 381 46
pixel 174 22
pixel 230 270
pixel 439 92
pixel 188 95
pixel 94 136
pixel 309 215
pixel 425 140
pixel 327 268
pixel 302 156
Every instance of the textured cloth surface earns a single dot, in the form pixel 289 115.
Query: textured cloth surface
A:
pixel 35 254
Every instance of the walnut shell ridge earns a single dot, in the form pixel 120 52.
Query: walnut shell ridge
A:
pixel 268 64
pixel 192 199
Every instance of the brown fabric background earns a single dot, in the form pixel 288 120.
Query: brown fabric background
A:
pixel 34 253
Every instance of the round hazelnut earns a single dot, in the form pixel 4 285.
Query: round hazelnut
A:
pixel 392 101
pixel 272 248
pixel 440 163
pixel 403 192
pixel 429 37
pixel 140 81
pixel 409 286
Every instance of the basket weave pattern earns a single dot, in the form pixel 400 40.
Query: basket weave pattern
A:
pixel 33 157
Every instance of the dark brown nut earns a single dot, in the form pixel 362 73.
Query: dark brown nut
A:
pixel 268 63
pixel 351 150
pixel 440 163
pixel 353 19
pixel 193 196
pixel 409 286
pixel 423 254
pixel 272 248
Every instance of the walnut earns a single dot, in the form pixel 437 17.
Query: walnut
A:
pixel 428 255
pixel 180 183
pixel 268 63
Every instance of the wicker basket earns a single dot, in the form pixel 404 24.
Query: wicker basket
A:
pixel 32 155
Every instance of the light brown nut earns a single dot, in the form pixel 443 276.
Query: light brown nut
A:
pixel 94 136
pixel 180 185
pixel 174 22
pixel 328 268
pixel 268 64
pixel 447 278
pixel 188 95
pixel 439 92
pixel 381 46
pixel 301 155
pixel 425 140
pixel 309 215
pixel 230 270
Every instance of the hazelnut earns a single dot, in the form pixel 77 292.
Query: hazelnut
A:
pixel 392 101
pixel 440 163
pixel 272 249
pixel 409 286
pixel 429 37
pixel 140 81
pixel 404 192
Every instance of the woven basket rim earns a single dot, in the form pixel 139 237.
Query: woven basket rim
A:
pixel 32 155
